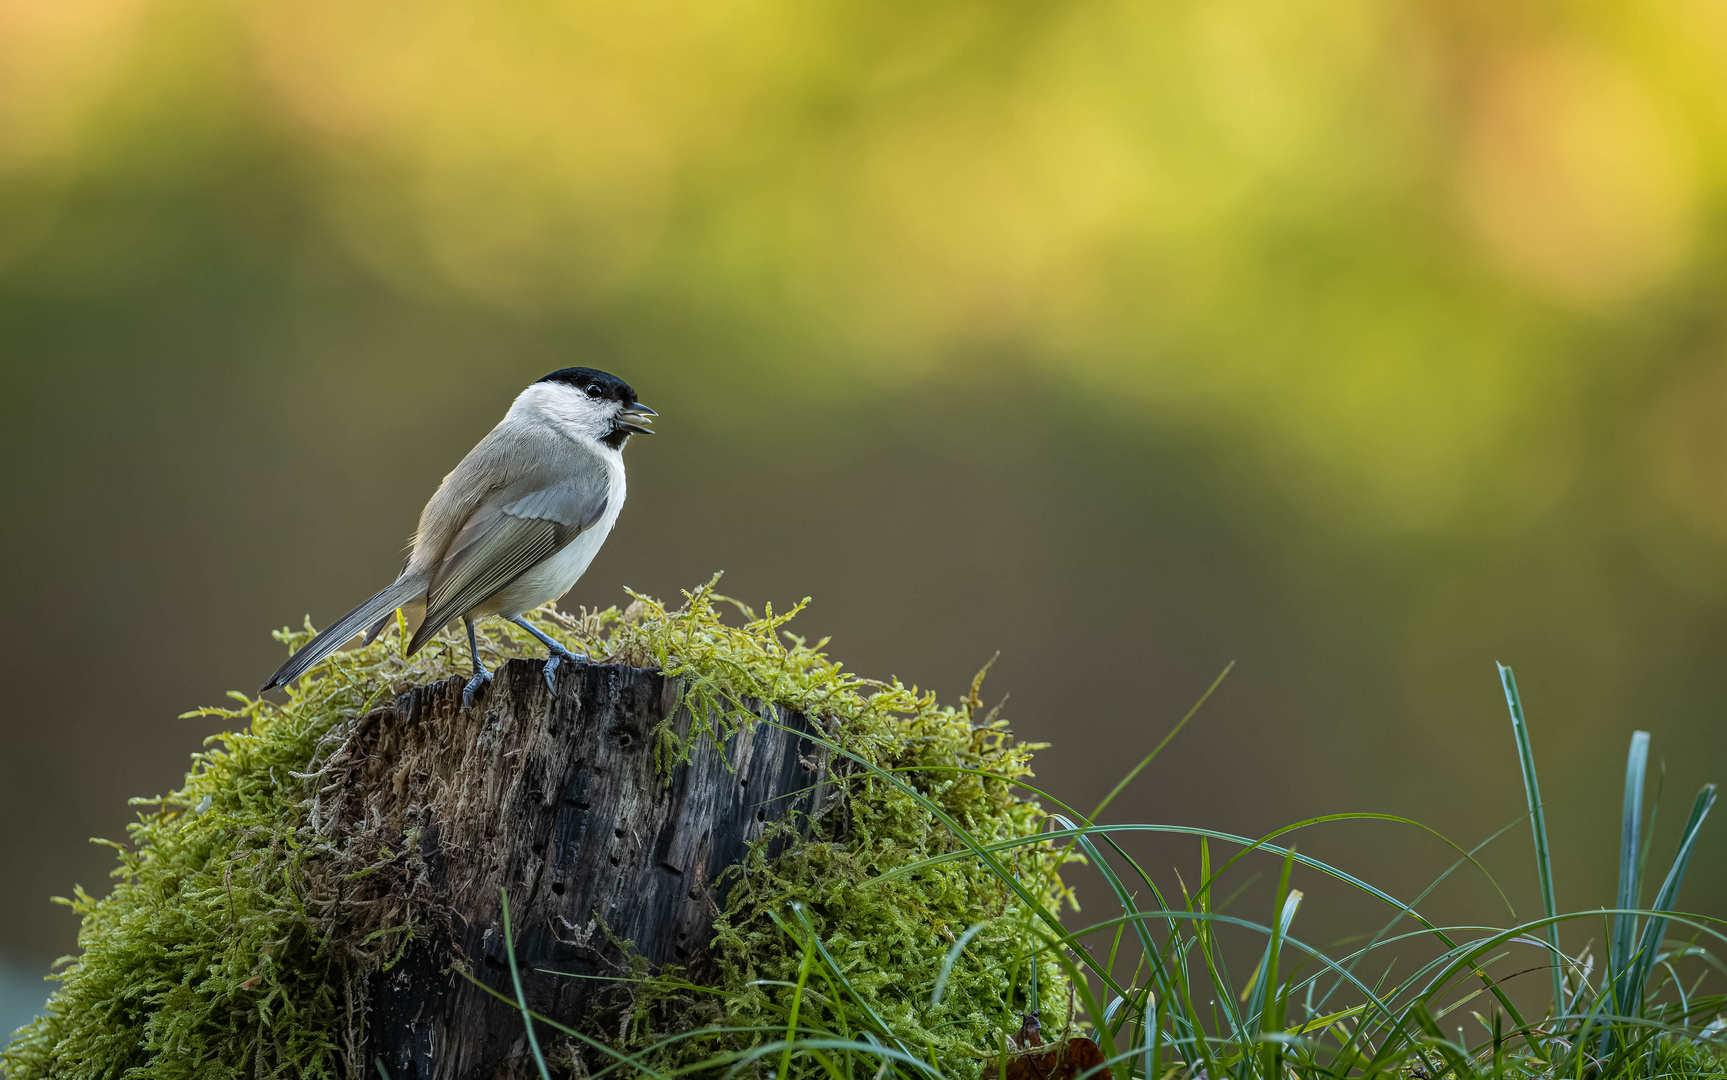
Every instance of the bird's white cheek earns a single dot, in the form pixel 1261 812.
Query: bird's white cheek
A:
pixel 567 408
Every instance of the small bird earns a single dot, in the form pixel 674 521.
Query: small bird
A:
pixel 512 526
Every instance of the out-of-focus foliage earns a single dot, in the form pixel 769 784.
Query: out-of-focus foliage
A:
pixel 1363 234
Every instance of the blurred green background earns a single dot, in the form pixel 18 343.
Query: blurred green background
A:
pixel 1362 342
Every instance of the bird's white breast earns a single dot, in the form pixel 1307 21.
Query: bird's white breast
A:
pixel 557 575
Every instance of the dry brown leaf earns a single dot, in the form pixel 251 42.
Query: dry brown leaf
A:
pixel 1065 1060
pixel 1060 1061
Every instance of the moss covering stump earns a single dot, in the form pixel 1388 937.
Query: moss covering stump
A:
pixel 270 915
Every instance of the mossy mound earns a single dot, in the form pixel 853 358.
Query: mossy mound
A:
pixel 222 951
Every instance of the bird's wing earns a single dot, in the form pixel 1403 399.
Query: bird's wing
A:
pixel 506 536
pixel 520 456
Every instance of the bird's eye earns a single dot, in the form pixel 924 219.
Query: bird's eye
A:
pixel 595 391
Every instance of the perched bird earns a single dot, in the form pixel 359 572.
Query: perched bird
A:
pixel 512 526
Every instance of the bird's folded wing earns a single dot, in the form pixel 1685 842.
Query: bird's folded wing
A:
pixel 503 540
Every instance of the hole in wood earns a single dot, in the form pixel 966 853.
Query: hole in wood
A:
pixel 624 739
pixel 619 833
pixel 557 888
pixel 761 815
pixel 614 860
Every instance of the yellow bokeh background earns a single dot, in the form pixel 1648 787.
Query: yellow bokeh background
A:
pixel 1145 197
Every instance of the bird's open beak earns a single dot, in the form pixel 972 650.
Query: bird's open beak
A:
pixel 631 418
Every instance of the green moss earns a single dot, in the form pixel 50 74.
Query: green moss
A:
pixel 221 951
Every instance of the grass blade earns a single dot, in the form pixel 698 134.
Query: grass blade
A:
pixel 1267 1014
pixel 947 963
pixel 521 997
pixel 1668 897
pixel 1266 973
pixel 1630 883
pixel 792 1017
pixel 1121 785
pixel 1537 824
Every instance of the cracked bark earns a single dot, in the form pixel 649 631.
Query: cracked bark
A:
pixel 553 795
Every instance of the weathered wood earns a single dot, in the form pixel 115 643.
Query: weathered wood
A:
pixel 554 796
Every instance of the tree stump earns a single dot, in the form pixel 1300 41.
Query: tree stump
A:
pixel 555 796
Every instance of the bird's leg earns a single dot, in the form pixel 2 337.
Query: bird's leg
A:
pixel 481 676
pixel 558 653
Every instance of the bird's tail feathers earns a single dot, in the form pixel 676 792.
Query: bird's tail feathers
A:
pixel 373 613
pixel 414 608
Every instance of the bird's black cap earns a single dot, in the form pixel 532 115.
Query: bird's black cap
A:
pixel 609 386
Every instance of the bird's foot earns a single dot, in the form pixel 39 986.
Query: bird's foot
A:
pixel 556 658
pixel 471 692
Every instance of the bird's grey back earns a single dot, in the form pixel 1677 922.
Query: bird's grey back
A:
pixel 525 467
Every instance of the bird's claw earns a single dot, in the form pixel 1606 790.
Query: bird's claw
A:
pixel 557 658
pixel 471 692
